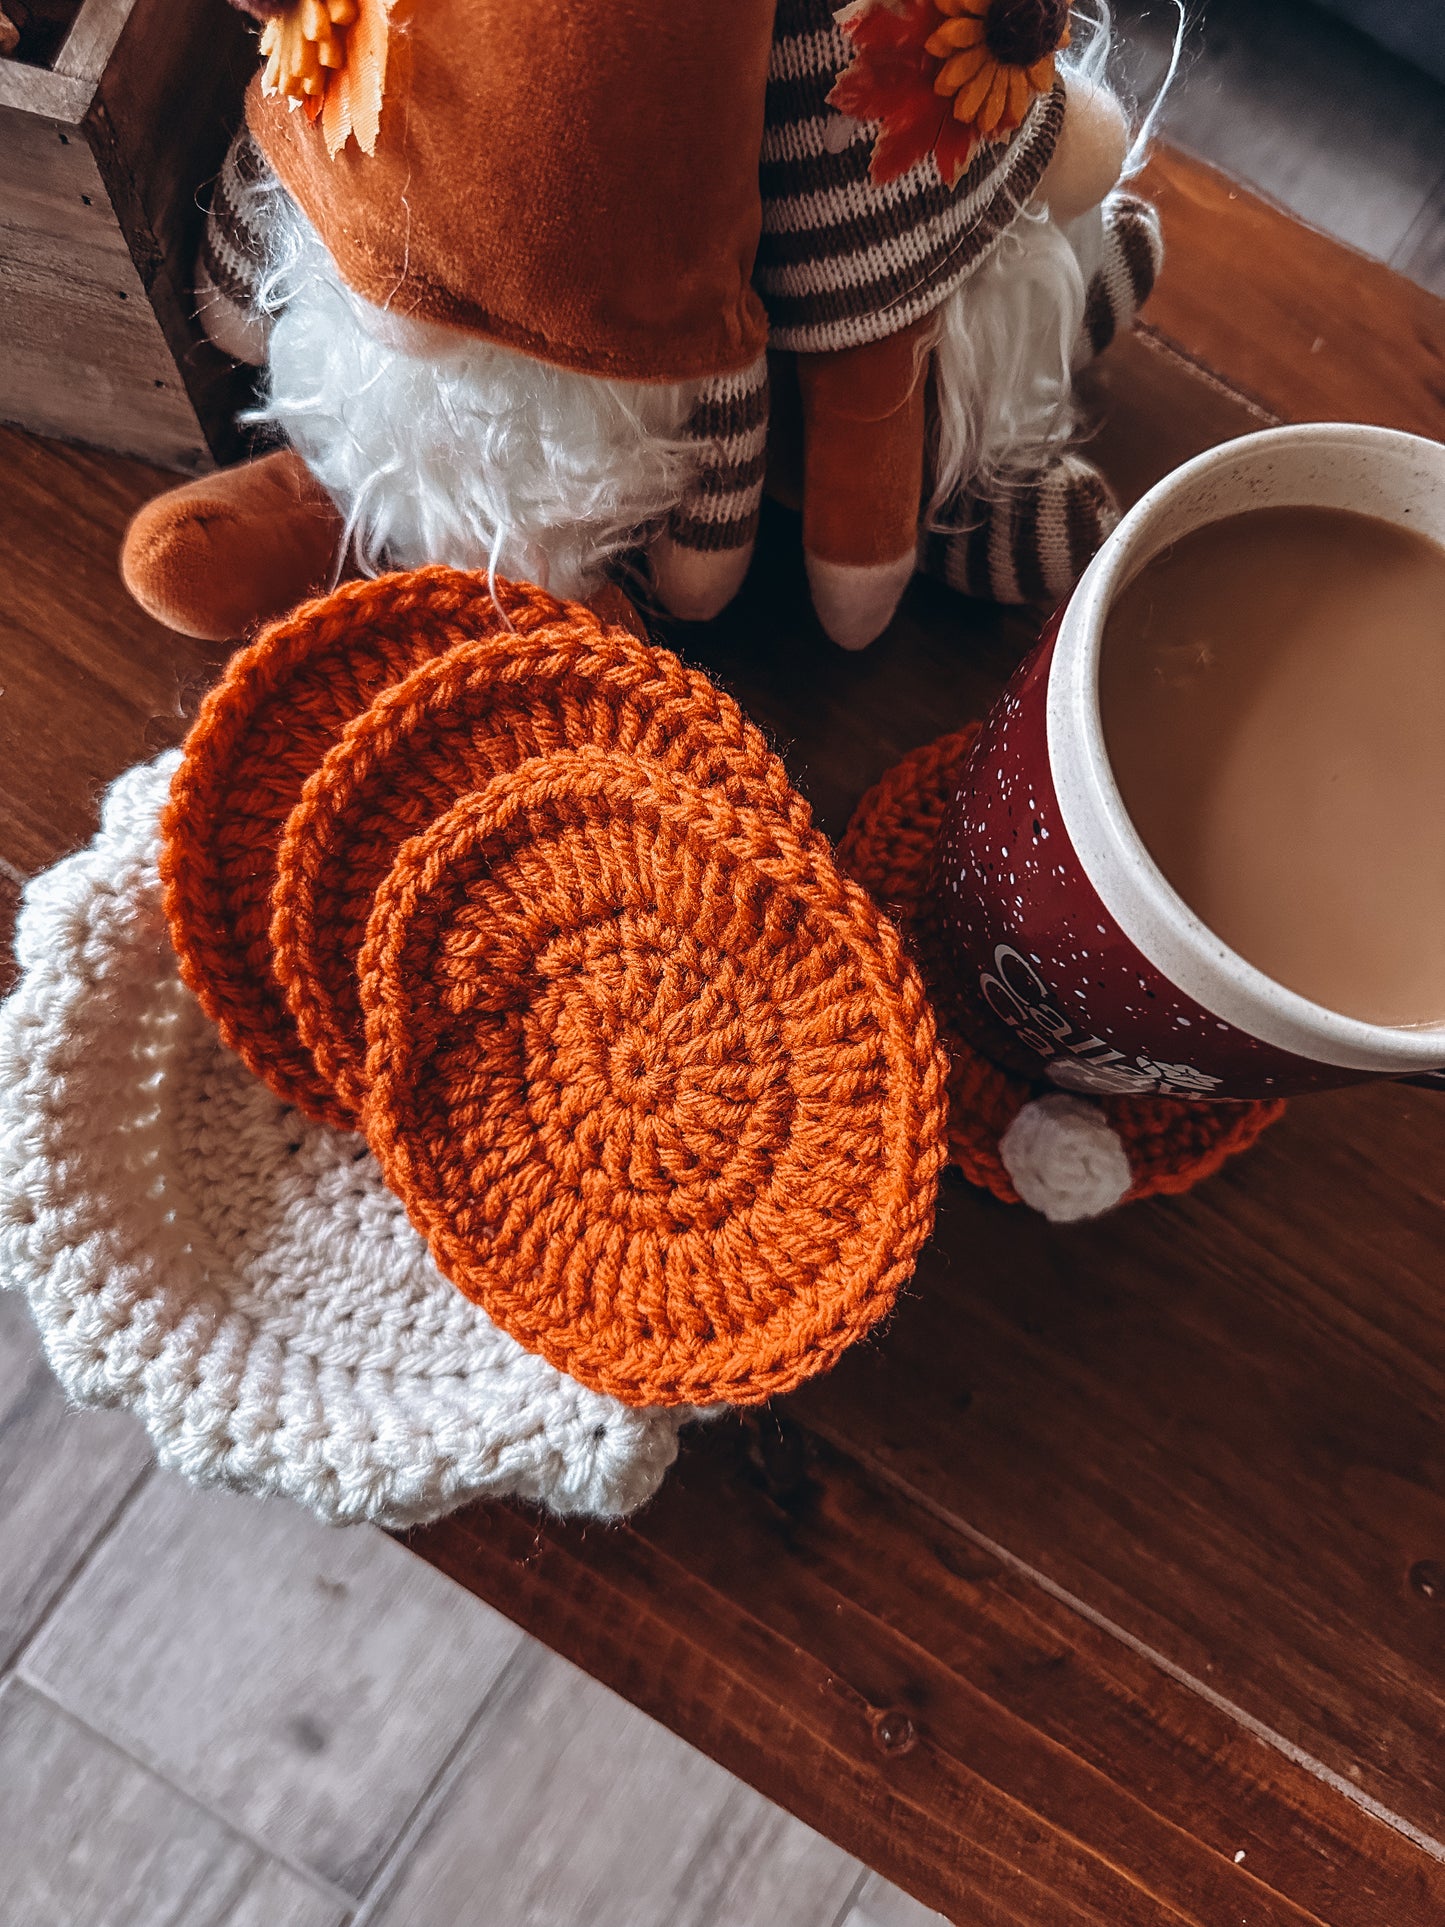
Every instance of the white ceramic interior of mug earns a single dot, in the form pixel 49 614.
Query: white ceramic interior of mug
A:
pixel 1375 471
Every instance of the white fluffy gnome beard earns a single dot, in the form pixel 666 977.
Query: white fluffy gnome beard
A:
pixel 441 447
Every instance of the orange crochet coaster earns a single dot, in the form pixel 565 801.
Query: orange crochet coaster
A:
pixel 656 1082
pixel 888 846
pixel 264 729
pixel 461 718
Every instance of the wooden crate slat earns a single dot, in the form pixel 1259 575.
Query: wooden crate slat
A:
pixel 92 39
pixel 101 170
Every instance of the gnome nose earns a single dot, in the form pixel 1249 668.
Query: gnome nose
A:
pixel 1019 32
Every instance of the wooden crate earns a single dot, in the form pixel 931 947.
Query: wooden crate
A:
pixel 105 155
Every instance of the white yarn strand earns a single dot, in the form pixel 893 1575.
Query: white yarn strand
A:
pixel 1091 57
pixel 195 1250
pixel 1149 126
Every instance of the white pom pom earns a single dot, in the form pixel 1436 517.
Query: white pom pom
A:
pixel 1065 1159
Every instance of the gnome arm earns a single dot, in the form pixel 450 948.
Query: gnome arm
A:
pixel 231 266
pixel 699 559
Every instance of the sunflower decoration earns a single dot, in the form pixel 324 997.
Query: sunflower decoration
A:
pixel 941 76
pixel 327 57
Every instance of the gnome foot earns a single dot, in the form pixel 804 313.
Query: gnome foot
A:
pixel 864 429
pixel 856 601
pixel 216 556
pixel 1029 541
pixel 696 584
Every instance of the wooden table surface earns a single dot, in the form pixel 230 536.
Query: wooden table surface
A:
pixel 1107 1585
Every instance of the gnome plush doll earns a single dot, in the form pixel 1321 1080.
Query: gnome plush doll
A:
pixel 942 249
pixel 513 268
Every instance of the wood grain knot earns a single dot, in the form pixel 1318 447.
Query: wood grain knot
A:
pixel 894 1734
pixel 1427 1578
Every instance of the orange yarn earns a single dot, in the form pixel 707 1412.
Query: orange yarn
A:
pixel 888 846
pixel 656 1082
pixel 264 728
pixel 481 708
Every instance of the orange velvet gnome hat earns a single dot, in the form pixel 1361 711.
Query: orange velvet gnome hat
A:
pixel 578 181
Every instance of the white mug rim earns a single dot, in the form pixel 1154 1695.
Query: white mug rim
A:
pixel 1132 887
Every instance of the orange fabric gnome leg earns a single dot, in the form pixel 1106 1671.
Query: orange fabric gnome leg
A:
pixel 863 434
pixel 218 555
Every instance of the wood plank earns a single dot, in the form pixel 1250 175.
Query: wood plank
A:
pixel 90 685
pixel 1305 327
pixel 273 1896
pixel 570 1806
pixel 45 178
pixel 1208 1426
pixel 74 298
pixel 63 1475
pixel 1303 107
pixel 93 1840
pixel 100 220
pixel 1146 379
pixel 845 1649
pixel 91 40
pixel 296 1679
pixel 85 312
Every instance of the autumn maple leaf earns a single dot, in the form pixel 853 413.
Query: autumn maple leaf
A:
pixel 891 81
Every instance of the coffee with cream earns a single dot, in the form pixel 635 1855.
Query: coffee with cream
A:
pixel 1272 690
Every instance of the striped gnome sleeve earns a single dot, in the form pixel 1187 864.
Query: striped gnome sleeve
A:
pixel 232 264
pixel 700 559
pixel 1027 535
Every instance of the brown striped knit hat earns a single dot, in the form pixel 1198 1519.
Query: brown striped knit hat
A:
pixel 844 259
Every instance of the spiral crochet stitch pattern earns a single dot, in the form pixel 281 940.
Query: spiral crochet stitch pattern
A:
pixel 462 717
pixel 195 1250
pixel 1171 1145
pixel 656 1082
pixel 262 731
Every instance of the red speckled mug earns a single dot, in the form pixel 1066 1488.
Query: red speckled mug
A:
pixel 1074 960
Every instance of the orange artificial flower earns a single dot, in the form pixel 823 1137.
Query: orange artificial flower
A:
pixel 939 76
pixel 329 57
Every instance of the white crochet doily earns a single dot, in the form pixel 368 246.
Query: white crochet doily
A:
pixel 243 1279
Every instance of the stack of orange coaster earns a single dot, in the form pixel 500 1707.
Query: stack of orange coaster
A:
pixel 1170 1144
pixel 534 906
